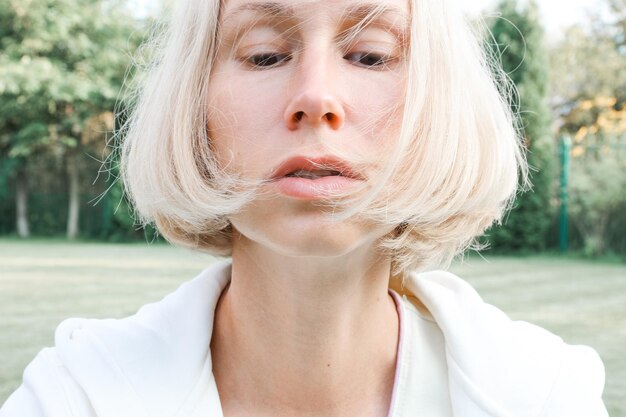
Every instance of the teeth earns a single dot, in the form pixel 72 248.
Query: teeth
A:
pixel 301 173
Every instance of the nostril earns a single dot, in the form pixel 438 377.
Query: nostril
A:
pixel 330 117
pixel 298 116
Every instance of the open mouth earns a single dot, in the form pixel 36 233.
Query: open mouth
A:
pixel 306 178
pixel 313 174
pixel 314 168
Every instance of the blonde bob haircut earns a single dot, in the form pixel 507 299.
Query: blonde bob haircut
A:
pixel 455 168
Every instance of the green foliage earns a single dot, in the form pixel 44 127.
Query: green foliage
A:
pixel 518 39
pixel 596 196
pixel 61 62
pixel 589 77
pixel 586 64
pixel 62 66
pixel 7 200
pixel 617 28
pixel 589 88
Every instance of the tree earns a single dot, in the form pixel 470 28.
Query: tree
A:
pixel 589 78
pixel 596 195
pixel 617 28
pixel 586 64
pixel 518 40
pixel 590 97
pixel 62 64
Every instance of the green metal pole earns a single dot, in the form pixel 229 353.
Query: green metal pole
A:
pixel 565 148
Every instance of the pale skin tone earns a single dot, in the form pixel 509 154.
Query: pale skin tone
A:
pixel 307 326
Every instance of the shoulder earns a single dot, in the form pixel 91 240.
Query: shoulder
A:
pixel 502 365
pixel 577 389
pixel 111 364
pixel 47 390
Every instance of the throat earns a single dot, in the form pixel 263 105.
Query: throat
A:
pixel 339 368
pixel 323 330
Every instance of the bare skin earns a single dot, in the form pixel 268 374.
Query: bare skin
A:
pixel 297 337
pixel 307 327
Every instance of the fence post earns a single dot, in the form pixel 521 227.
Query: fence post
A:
pixel 565 147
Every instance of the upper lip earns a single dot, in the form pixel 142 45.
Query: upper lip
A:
pixel 305 163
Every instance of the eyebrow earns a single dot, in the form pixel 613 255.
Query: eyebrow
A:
pixel 358 11
pixel 363 11
pixel 269 8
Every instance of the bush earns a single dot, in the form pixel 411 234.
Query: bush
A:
pixel 597 200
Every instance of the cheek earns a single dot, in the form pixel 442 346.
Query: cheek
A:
pixel 246 103
pixel 242 117
pixel 377 93
pixel 376 104
pixel 246 118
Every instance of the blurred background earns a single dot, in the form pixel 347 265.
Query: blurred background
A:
pixel 63 64
pixel 69 245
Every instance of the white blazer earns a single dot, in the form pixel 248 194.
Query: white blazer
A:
pixel 157 363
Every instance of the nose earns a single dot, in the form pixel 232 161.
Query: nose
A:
pixel 315 102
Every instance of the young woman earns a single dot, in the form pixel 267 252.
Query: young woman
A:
pixel 336 150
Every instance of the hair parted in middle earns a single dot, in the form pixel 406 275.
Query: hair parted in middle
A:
pixel 453 170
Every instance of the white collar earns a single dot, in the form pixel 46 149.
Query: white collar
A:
pixel 157 362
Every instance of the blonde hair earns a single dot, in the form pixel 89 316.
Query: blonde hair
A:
pixel 454 170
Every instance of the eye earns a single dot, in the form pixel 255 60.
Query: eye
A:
pixel 267 60
pixel 369 59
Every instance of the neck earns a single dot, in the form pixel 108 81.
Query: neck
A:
pixel 323 331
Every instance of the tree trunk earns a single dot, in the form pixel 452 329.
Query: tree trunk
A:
pixel 21 203
pixel 73 213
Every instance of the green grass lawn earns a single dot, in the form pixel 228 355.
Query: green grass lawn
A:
pixel 44 282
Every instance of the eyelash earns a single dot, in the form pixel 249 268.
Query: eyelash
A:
pixel 265 58
pixel 380 61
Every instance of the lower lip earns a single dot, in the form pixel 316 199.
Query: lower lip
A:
pixel 313 189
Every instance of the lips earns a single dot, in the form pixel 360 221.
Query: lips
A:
pixel 313 168
pixel 308 179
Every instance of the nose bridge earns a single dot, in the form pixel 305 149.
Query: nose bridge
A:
pixel 314 97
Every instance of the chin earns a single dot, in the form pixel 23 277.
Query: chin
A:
pixel 311 236
pixel 334 241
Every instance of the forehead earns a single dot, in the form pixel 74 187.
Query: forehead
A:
pixel 394 10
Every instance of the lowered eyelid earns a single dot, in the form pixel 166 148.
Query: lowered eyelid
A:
pixel 346 39
pixel 378 17
pixel 234 38
pixel 351 37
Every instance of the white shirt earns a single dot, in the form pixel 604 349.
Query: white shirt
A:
pixel 421 383
pixel 157 363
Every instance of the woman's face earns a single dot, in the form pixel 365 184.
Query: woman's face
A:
pixel 286 81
